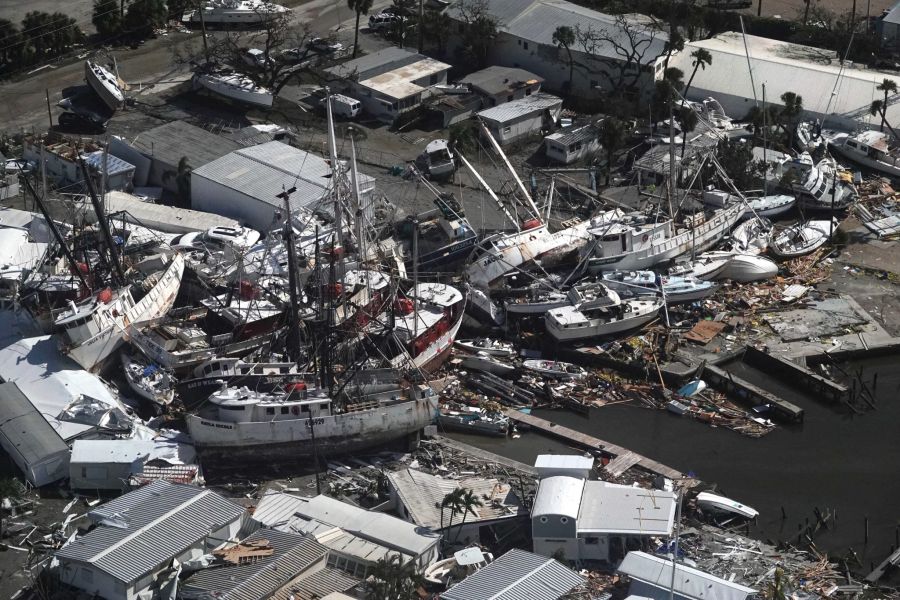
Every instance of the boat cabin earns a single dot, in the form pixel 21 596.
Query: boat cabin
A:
pixel 623 237
pixel 82 322
pixel 243 405
pixel 230 367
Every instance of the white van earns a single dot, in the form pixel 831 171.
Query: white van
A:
pixel 345 106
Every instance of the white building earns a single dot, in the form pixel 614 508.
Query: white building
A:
pixel 887 28
pixel 390 82
pixel 525 41
pixel 33 444
pixel 62 162
pixel 651 578
pixel 522 118
pixel 244 184
pixel 839 98
pixel 596 520
pixel 496 84
pixel 137 536
pixel 571 144
pixel 110 464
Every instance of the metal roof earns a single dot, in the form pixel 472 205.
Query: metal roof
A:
pixel 571 135
pixel 523 107
pixel 170 142
pixel 495 79
pixel 422 493
pixel 170 219
pixel 558 495
pixel 24 430
pixel 159 522
pixel 892 15
pixel 689 582
pixel 131 450
pixel 611 508
pixel 354 546
pixel 517 575
pixel 376 63
pixel 318 583
pixel 279 509
pixel 293 555
pixel 114 164
pixel 399 83
pixel 564 461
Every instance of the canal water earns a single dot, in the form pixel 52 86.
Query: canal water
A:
pixel 845 464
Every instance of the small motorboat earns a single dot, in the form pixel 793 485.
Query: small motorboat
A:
pixel 802 238
pixel 482 361
pixel 148 380
pixel 647 283
pixel 692 388
pixel 463 563
pixel 744 268
pixel 555 369
pixel 722 505
pixel 474 420
pixel 702 267
pixel 752 236
pixel 676 407
pixel 771 206
pixel 488 346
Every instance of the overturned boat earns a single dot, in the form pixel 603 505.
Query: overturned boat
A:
pixel 722 505
pixel 802 238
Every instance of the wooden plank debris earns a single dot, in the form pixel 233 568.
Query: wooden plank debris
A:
pixel 704 331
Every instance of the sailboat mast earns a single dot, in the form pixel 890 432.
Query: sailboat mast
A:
pixel 357 204
pixel 293 312
pixel 502 154
pixel 415 257
pixel 104 224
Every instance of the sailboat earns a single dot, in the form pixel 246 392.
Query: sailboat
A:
pixel 104 84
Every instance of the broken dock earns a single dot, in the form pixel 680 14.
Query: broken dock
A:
pixel 623 458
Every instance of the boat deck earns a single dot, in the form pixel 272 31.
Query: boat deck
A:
pixel 622 456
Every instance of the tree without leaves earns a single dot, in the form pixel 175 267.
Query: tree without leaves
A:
pixel 9 488
pixel 11 49
pixel 106 18
pixel 702 58
pixel 888 86
pixel 564 37
pixel 437 27
pixel 360 7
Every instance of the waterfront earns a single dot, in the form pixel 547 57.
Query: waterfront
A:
pixel 833 461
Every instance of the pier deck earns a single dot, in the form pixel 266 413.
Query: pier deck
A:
pixel 592 443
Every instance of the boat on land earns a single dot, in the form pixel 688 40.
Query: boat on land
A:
pixel 235 12
pixel 488 346
pixel 722 505
pixel 234 85
pixel 752 236
pixel 104 85
pixel 870 149
pixel 745 268
pixel 438 160
pixel 537 301
pixel 147 380
pixel 647 283
pixel 210 375
pixel 474 420
pixel 489 364
pixel 94 329
pixel 703 267
pixel 821 186
pixel 555 369
pixel 760 206
pixel 463 563
pixel 573 323
pixel 802 238
pixel 302 422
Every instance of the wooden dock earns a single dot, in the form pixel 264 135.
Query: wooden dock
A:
pixel 623 458
pixel 892 560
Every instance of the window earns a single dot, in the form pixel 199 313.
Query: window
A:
pixel 509 98
pixel 270 410
pixel 852 144
pixel 284 410
pixel 525 45
pixel 592 541
pixel 528 91
pixel 506 130
pixel 305 408
pixel 323 406
pixel 519 42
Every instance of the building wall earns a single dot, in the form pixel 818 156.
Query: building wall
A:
pixel 645 590
pixel 506 133
pixel 553 546
pixel 99 476
pixel 63 172
pixel 888 34
pixel 503 97
pixel 210 196
pixel 388 109
pixel 122 149
pixel 593 547
pixel 571 153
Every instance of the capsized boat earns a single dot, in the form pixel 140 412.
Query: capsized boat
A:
pixel 555 369
pixel 243 424
pixel 93 330
pixel 744 268
pixel 647 283
pixel 488 346
pixel 802 238
pixel 721 504
pixel 147 380
pixel 231 84
pixel 104 84
pixel 574 323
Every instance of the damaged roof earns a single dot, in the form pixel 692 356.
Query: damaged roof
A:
pixel 517 575
pixel 495 79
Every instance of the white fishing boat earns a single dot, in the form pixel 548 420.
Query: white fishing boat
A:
pixel 438 160
pixel 235 12
pixel 208 377
pixel 93 330
pixel 488 346
pixel 234 85
pixel 147 380
pixel 481 361
pixel 802 238
pixel 647 283
pixel 634 244
pixel 871 149
pixel 745 268
pixel 721 504
pixel 242 424
pixel 104 84
pixel 540 300
pixel 752 236
pixel 555 369
pixel 571 323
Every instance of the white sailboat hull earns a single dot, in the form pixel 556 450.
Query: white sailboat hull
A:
pixel 231 87
pixel 509 254
pixel 104 84
pixel 744 268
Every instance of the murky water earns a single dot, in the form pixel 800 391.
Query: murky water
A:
pixel 846 464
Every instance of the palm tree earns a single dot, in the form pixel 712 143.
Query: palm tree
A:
pixel 360 7
pixel 393 580
pixel 878 108
pixel 564 37
pixel 702 57
pixel 688 119
pixel 888 86
pixel 793 108
pixel 469 503
pixel 453 501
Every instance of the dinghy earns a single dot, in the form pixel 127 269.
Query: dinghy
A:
pixel 490 364
pixel 802 238
pixel 744 268
pixel 721 504
pixel 149 381
pixel 703 267
pixel 487 346
pixel 555 369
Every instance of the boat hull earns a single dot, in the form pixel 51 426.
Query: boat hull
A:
pixel 288 440
pixel 108 92
pixel 194 391
pixel 748 268
pixel 214 84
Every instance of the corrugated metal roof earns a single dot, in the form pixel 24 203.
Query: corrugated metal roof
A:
pixel 111 451
pixel 611 508
pixel 522 107
pixel 354 546
pixel 374 64
pixel 558 495
pixel 689 582
pixel 114 164
pixel 318 584
pixel 564 461
pixel 571 135
pixel 422 493
pixel 170 142
pixel 496 79
pixel 162 520
pixel 24 430
pixel 380 528
pixel 293 555
pixel 517 575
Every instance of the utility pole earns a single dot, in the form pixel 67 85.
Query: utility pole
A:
pixel 49 112
pixel 203 32
pixel 759 9
pixel 421 27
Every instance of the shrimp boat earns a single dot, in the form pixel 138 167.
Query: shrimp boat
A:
pixel 93 330
pixel 258 427
pixel 148 380
pixel 802 238
pixel 426 324
pixel 104 85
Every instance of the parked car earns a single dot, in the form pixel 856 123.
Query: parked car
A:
pixel 325 45
pixel 293 55
pixel 81 123
pixel 344 106
pixel 383 21
pixel 256 58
